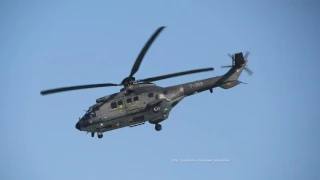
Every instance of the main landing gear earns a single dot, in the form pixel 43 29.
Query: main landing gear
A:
pixel 100 135
pixel 158 127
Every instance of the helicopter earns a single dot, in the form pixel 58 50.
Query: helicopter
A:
pixel 142 100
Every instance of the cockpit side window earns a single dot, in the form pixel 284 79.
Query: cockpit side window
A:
pixel 136 98
pixel 150 95
pixel 93 114
pixel 113 105
pixel 120 102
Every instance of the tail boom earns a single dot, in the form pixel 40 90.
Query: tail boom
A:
pixel 226 81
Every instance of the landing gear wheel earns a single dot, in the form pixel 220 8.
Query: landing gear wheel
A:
pixel 156 109
pixel 92 134
pixel 158 127
pixel 100 135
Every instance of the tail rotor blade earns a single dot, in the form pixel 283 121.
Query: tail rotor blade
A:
pixel 229 66
pixel 248 71
pixel 246 55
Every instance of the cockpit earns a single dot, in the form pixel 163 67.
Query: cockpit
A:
pixel 90 113
pixel 87 118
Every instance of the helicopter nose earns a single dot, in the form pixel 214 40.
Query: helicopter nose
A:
pixel 78 126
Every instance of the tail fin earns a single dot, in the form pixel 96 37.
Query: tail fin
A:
pixel 238 59
pixel 230 79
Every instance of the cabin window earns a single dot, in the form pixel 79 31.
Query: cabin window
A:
pixel 150 95
pixel 136 98
pixel 120 102
pixel 129 100
pixel 113 105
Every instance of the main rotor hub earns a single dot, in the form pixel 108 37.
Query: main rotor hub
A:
pixel 128 81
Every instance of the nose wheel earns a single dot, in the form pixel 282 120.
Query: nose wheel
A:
pixel 158 127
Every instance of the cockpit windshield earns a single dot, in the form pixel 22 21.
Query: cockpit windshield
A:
pixel 90 113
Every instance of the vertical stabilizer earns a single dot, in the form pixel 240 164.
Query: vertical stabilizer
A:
pixel 239 62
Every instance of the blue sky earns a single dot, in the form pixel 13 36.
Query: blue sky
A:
pixel 268 128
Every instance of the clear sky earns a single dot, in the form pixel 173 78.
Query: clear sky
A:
pixel 268 128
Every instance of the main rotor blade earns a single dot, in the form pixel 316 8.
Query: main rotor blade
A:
pixel 156 78
pixel 71 88
pixel 144 50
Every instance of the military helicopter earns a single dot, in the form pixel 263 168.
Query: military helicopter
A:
pixel 141 100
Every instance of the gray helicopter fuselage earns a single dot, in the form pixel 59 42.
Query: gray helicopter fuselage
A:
pixel 136 104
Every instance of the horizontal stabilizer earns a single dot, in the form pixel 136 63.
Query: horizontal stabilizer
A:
pixel 230 84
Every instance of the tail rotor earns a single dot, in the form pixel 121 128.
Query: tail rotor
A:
pixel 232 56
